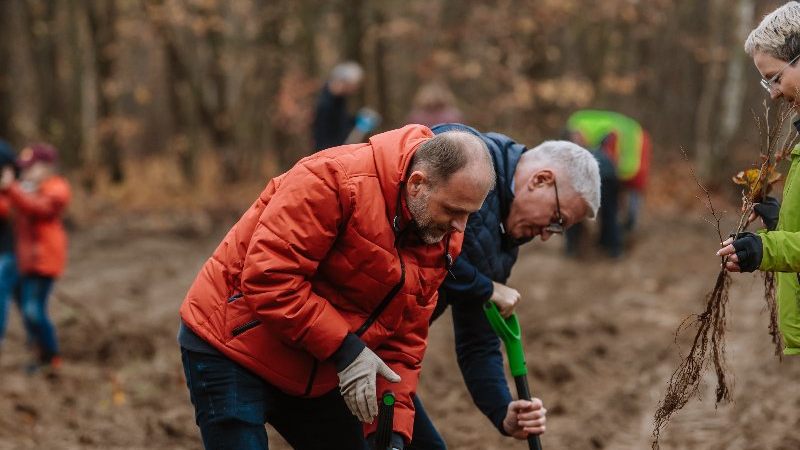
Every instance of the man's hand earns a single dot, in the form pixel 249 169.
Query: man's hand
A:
pixel 744 253
pixel 357 384
pixel 525 417
pixel 505 298
pixel 768 211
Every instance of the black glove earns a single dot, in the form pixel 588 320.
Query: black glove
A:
pixel 768 210
pixel 749 250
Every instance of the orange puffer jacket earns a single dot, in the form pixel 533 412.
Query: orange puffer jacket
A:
pixel 40 237
pixel 312 259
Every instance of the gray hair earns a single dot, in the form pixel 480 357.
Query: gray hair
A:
pixel 778 35
pixel 574 161
pixel 347 71
pixel 448 152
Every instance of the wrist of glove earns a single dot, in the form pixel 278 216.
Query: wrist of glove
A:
pixel 768 210
pixel 357 384
pixel 749 251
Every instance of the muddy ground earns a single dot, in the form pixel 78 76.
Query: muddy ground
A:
pixel 598 339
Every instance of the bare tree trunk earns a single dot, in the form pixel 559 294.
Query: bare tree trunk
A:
pixel 380 67
pixel 733 91
pixel 39 26
pixel 219 121
pixel 73 136
pixel 352 11
pixel 720 107
pixel 707 109
pixel 5 73
pixel 179 86
pixel 182 140
pixel 215 117
pixel 353 30
pixel 270 72
pixel 102 15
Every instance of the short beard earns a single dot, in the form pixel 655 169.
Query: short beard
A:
pixel 427 231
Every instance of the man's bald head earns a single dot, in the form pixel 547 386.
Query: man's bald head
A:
pixel 450 152
pixel 449 178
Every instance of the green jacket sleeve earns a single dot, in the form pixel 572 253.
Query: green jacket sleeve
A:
pixel 781 251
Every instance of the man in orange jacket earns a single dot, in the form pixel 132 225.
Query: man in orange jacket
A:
pixel 38 201
pixel 326 282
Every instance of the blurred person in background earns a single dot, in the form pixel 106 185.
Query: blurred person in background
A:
pixel 9 275
pixel 38 201
pixel 622 149
pixel 318 300
pixel 775 48
pixel 538 192
pixel 333 124
pixel 433 104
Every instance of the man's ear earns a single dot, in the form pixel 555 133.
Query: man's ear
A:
pixel 540 178
pixel 415 182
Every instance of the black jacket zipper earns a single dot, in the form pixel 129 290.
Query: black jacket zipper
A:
pixel 386 300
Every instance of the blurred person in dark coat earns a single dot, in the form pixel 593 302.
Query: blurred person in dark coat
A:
pixel 333 124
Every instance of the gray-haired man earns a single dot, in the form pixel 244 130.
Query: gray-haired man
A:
pixel 539 192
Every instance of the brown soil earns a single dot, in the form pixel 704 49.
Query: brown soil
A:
pixel 598 336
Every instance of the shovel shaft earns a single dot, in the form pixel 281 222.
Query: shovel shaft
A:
pixel 509 332
pixel 383 435
pixel 523 392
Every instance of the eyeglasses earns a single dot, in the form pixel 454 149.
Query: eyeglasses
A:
pixel 769 84
pixel 556 227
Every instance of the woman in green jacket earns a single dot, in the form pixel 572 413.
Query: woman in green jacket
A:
pixel 775 48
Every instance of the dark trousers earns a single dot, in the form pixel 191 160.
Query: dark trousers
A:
pixel 232 405
pixel 425 436
pixel 610 236
pixel 34 293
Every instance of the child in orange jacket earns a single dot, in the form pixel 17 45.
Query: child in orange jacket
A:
pixel 38 200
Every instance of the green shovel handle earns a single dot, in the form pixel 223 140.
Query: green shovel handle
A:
pixel 509 332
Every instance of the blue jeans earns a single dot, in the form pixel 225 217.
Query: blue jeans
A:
pixel 232 405
pixel 425 436
pixel 34 293
pixel 9 277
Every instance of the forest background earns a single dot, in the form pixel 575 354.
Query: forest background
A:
pixel 156 104
pixel 172 115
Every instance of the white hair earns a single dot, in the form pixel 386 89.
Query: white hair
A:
pixel 574 161
pixel 770 36
pixel 347 71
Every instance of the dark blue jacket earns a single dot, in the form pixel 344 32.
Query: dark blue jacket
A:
pixel 332 123
pixel 487 255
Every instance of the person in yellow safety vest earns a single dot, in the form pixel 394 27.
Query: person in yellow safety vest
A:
pixel 622 148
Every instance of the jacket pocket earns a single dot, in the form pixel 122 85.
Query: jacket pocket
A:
pixel 244 327
pixel 238 317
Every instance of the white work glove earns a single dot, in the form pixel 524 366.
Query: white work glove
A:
pixel 357 384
